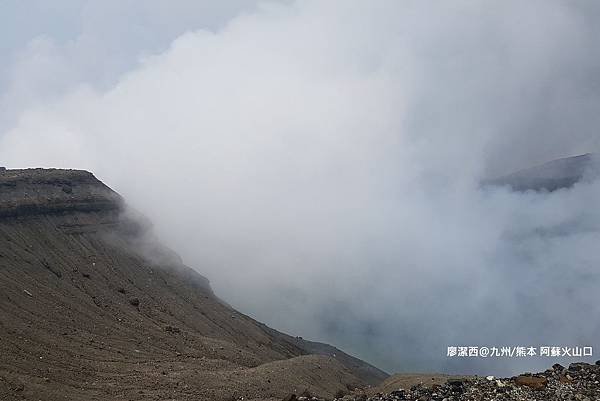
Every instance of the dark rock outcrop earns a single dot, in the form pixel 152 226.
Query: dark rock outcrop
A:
pixel 42 192
pixel 554 175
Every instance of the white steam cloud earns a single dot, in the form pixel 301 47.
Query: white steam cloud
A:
pixel 320 163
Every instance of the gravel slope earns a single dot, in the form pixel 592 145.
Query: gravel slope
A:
pixel 93 308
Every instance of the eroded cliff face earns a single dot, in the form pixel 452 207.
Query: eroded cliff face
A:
pixel 38 192
pixel 94 308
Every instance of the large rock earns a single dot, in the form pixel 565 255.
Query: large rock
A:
pixel 534 382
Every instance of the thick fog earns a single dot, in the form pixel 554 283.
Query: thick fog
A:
pixel 320 161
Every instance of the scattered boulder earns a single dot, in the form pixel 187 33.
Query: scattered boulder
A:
pixel 134 302
pixel 172 329
pixel 534 382
pixel 565 379
pixel 575 367
pixel 455 382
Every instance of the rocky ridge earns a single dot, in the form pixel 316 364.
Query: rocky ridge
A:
pixel 553 175
pixel 94 308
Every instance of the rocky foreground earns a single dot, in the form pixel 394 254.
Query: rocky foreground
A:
pixel 578 382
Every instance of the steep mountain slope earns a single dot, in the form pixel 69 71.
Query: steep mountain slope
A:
pixel 93 308
pixel 556 174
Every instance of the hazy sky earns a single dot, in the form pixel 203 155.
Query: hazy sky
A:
pixel 319 161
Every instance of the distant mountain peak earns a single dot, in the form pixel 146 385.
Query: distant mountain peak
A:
pixel 552 175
